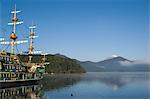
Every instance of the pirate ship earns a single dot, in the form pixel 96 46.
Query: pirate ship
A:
pixel 12 70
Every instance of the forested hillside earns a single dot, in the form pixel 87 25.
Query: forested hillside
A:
pixel 57 64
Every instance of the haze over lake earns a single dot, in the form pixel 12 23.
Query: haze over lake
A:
pixel 105 86
pixel 92 85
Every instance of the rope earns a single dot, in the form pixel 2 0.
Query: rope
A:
pixel 26 27
pixel 7 47
pixel 17 56
pixel 17 48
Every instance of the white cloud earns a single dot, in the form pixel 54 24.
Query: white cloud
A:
pixel 114 55
pixel 127 63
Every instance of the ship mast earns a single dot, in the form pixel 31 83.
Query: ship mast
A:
pixel 13 37
pixel 31 36
pixel 15 21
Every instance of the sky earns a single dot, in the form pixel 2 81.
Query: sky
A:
pixel 83 29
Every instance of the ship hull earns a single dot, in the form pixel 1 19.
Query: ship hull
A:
pixel 16 83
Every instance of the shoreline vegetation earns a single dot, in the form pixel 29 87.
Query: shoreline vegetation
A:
pixel 57 64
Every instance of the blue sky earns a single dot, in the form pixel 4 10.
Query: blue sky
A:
pixel 84 29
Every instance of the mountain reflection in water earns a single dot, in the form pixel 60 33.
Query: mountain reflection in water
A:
pixel 106 85
pixel 118 79
pixel 85 86
pixel 59 81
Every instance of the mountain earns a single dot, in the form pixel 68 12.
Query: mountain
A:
pixel 114 64
pixel 62 64
pixel 91 66
pixel 60 55
pixel 57 63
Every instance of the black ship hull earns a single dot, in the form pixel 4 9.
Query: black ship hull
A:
pixel 17 83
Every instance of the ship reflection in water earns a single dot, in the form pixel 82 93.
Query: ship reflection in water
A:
pixel 37 91
pixel 85 86
pixel 22 92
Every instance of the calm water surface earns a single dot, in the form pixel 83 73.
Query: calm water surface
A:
pixel 85 86
pixel 104 86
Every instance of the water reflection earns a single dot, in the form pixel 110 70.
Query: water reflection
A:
pixel 117 79
pixel 50 82
pixel 59 81
pixel 84 86
pixel 105 86
pixel 22 92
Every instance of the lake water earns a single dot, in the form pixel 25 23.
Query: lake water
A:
pixel 90 86
pixel 105 86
